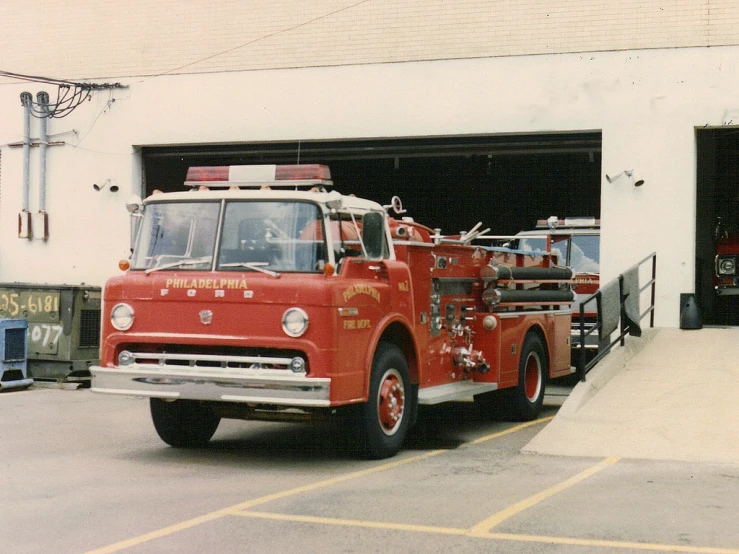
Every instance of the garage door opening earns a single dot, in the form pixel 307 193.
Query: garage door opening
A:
pixel 506 182
pixel 717 216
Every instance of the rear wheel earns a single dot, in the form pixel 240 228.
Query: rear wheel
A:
pixel 386 415
pixel 184 423
pixel 532 371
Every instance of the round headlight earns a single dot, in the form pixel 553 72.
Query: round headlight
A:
pixel 294 322
pixel 121 316
pixel 726 266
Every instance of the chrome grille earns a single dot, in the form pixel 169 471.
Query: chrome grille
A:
pixel 209 361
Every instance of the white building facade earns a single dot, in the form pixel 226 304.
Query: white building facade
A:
pixel 648 76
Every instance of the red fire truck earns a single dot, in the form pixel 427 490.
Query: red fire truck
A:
pixel 576 242
pixel 262 294
pixel 726 276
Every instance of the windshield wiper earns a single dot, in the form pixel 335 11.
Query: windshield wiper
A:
pixel 255 266
pixel 180 263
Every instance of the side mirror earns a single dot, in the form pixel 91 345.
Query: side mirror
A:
pixel 373 234
pixel 135 207
pixel 718 230
pixel 134 204
pixel 396 205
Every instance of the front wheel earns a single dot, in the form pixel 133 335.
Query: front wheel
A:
pixel 184 423
pixel 386 415
pixel 532 371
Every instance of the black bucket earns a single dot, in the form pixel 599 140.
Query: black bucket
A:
pixel 690 313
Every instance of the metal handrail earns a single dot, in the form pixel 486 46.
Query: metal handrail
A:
pixel 583 365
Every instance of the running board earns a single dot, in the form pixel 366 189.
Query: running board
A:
pixel 453 391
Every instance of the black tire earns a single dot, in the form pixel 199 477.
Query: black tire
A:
pixel 386 416
pixel 184 423
pixel 532 375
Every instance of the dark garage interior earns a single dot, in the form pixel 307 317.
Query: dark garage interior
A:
pixel 717 197
pixel 507 182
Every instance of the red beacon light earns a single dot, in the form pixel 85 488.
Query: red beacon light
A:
pixel 302 172
pixel 209 174
pixel 259 176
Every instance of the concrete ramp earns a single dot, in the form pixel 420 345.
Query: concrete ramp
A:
pixel 670 395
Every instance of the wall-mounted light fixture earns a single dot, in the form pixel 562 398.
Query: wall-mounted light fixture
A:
pixel 625 173
pixel 111 183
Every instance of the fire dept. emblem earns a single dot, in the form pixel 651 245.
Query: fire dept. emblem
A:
pixel 206 317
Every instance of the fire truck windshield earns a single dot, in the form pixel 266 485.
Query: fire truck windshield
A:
pixel 584 255
pixel 273 235
pixel 177 235
pixel 265 236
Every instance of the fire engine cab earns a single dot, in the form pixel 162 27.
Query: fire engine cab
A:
pixel 576 242
pixel 261 293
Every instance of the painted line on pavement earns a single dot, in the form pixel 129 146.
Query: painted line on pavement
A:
pixel 355 523
pixel 496 519
pixel 598 543
pixel 511 430
pixel 235 509
pixel 540 539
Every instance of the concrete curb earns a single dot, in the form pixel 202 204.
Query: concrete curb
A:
pixel 604 371
pixel 670 395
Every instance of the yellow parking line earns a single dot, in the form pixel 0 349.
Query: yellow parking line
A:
pixel 356 523
pixel 593 543
pixel 511 430
pixel 487 524
pixel 541 539
pixel 261 500
pixel 233 510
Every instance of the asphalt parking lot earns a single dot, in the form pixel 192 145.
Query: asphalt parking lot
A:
pixel 81 472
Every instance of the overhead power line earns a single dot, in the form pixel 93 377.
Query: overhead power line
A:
pixel 269 35
pixel 60 82
pixel 69 94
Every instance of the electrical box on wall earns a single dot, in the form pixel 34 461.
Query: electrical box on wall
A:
pixel 40 225
pixel 24 225
pixel 33 226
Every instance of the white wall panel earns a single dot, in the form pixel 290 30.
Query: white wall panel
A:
pixel 88 39
pixel 646 102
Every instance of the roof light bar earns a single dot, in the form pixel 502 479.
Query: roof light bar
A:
pixel 302 172
pixel 299 175
pixel 581 221
pixel 569 222
pixel 200 174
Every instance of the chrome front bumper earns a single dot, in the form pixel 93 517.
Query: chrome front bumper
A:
pixel 193 377
pixel 727 291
